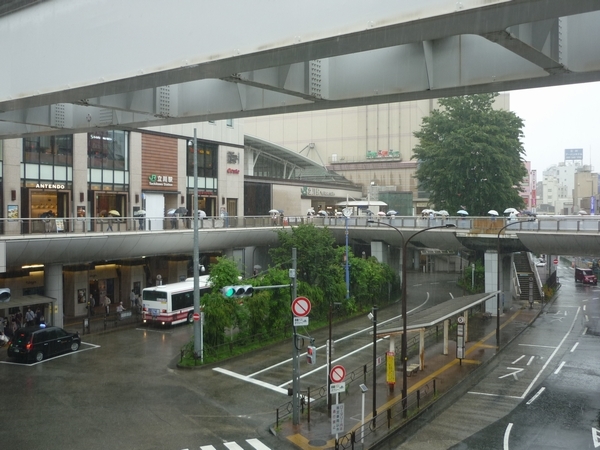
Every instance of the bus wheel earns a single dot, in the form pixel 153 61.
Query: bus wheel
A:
pixel 190 318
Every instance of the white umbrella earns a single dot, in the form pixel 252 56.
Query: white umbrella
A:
pixel 323 213
pixel 392 213
pixel 273 211
pixel 582 213
pixel 442 212
pixel 201 214
pixel 381 213
pixel 493 212
pixel 310 211
pixel 427 211
pixel 511 210
pixel 462 212
pixel 139 212
pixel 171 211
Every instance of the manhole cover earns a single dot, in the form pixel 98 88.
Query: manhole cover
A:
pixel 317 442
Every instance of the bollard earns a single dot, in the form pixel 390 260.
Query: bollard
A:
pixel 418 398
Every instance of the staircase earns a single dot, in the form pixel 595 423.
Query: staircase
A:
pixel 524 272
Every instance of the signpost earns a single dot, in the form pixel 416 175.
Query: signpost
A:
pixel 301 306
pixel 337 376
pixel 555 261
pixel 460 338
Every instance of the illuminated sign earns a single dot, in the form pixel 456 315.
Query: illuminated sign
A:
pixel 49 186
pixel 236 171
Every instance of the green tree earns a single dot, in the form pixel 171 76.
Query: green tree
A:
pixel 320 271
pixel 471 155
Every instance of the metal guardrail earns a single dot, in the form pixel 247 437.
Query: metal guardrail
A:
pixel 57 226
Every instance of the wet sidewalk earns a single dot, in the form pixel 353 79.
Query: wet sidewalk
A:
pixel 100 322
pixel 441 373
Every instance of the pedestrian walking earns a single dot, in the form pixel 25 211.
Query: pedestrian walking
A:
pixel 29 317
pixel 106 304
pixel 91 304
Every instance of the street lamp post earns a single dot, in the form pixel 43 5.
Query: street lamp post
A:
pixel 404 348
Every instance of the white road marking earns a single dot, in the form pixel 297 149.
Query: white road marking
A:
pixel 518 359
pixel 515 371
pixel 257 444
pixel 530 360
pixel 559 367
pixel 233 446
pixel 537 394
pixel 596 437
pixel 574 347
pixel 250 380
pixel 507 435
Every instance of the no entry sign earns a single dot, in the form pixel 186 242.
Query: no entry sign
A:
pixel 555 261
pixel 337 374
pixel 196 317
pixel 301 306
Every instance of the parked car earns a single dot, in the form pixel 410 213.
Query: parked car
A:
pixel 39 342
pixel 585 276
pixel 540 263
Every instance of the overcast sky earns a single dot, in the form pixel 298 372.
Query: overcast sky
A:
pixel 557 118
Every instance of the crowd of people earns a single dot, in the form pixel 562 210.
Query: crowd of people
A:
pixel 9 325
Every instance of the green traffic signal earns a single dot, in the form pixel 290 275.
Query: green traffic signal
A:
pixel 237 291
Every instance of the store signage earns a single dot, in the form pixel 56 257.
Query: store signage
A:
pixel 160 180
pixel 49 186
pixel 236 171
pixel 316 192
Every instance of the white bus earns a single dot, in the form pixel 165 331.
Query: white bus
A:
pixel 173 303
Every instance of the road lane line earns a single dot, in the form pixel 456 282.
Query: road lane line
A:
pixel 537 394
pixel 559 367
pixel 507 435
pixel 574 347
pixel 257 444
pixel 552 355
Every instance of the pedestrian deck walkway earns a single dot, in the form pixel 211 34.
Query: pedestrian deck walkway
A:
pixel 445 372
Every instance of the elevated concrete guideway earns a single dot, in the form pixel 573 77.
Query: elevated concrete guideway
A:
pixel 112 64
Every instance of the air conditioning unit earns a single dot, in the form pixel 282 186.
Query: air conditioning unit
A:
pixel 4 294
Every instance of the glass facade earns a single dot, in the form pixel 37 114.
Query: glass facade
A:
pixel 207 159
pixel 108 160
pixel 48 158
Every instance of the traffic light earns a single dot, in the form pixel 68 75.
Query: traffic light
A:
pixel 237 291
pixel 311 354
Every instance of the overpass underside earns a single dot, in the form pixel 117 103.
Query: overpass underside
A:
pixel 140 63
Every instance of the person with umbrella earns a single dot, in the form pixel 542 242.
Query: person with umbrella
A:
pixel 112 213
pixel 141 214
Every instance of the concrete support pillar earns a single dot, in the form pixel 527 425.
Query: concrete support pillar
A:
pixel 379 250
pixel 53 287
pixel 491 279
pixel 446 328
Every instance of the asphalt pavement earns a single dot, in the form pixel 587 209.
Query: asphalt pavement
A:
pixel 451 377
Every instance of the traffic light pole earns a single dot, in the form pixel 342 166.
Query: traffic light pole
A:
pixel 296 365
pixel 198 335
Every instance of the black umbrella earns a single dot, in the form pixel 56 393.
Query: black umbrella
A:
pixel 181 211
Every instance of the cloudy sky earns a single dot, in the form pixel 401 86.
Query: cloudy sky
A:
pixel 557 118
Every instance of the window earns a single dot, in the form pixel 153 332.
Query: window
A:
pixel 207 159
pixel 229 123
pixel 49 150
pixel 108 160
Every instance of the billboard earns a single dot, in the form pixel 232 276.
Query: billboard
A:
pixel 573 154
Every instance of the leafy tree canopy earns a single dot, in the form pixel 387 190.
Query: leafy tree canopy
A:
pixel 470 155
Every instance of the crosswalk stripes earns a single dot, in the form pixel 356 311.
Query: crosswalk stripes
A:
pixel 256 444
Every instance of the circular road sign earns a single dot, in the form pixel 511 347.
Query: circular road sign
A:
pixel 301 306
pixel 196 317
pixel 337 374
pixel 555 261
pixel 460 319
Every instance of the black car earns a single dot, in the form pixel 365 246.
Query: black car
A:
pixel 39 342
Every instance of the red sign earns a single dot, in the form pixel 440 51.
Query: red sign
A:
pixel 337 374
pixel 196 317
pixel 301 306
pixel 555 261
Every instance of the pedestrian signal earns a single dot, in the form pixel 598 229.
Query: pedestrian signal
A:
pixel 311 354
pixel 237 291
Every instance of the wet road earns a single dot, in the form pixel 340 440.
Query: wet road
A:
pixel 543 393
pixel 122 390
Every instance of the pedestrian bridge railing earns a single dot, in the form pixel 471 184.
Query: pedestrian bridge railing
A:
pixel 478 225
